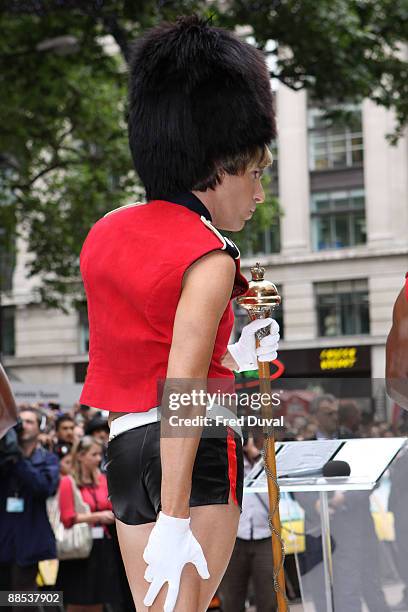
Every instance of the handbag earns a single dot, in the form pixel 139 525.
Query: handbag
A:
pixel 74 542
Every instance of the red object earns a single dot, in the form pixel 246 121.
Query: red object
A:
pixel 215 603
pixel 279 371
pixel 232 464
pixel 132 265
pixel 95 497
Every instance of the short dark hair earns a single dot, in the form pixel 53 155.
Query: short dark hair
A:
pixel 347 408
pixel 38 415
pixel 62 419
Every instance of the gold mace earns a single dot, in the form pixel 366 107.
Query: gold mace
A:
pixel 260 301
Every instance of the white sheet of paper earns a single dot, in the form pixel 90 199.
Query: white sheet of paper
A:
pixel 369 457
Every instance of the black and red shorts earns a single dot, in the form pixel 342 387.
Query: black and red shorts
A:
pixel 134 472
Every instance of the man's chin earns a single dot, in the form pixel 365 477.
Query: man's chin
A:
pixel 235 227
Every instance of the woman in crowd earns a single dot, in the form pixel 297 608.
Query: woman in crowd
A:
pixel 88 583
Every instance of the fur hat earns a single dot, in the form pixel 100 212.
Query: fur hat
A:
pixel 197 95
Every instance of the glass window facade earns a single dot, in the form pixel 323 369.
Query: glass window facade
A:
pixel 335 143
pixel 342 308
pixel 338 219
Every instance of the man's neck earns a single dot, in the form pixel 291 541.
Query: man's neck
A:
pixel 28 447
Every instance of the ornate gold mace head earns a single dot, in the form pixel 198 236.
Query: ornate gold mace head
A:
pixel 262 296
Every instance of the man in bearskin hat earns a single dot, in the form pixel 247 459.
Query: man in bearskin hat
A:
pixel 159 278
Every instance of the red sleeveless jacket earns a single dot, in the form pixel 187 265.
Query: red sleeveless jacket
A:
pixel 132 265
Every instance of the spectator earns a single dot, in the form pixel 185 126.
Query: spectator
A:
pixel 325 409
pixel 252 554
pixel 64 428
pixel 397 504
pixel 349 419
pixel 89 583
pixel 28 478
pixel 355 551
pixel 98 428
pixel 82 413
pixel 78 432
pixel 47 433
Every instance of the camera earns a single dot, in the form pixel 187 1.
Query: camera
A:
pixel 10 451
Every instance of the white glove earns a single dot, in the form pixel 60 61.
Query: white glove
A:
pixel 170 546
pixel 245 353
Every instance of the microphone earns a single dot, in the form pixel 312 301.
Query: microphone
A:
pixel 330 469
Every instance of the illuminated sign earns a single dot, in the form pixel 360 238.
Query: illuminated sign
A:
pixel 338 358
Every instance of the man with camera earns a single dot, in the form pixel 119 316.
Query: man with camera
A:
pixel 28 475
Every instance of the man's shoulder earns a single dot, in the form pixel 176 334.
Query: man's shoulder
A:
pixel 41 455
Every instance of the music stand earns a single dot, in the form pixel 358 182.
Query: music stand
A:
pixel 368 458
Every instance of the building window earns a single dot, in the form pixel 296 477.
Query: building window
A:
pixel 7 321
pixel 83 330
pixel 342 308
pixel 241 317
pixel 338 219
pixel 335 143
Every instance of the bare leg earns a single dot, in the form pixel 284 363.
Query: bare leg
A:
pixel 215 527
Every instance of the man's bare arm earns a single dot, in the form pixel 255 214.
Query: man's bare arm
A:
pixel 397 353
pixel 206 291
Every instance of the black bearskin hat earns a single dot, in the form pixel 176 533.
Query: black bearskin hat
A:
pixel 197 95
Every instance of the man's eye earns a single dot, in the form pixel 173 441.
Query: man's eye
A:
pixel 257 174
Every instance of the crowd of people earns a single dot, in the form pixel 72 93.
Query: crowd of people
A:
pixel 55 454
pixel 55 458
pixel 52 472
pixel 346 419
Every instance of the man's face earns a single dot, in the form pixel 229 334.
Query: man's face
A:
pixel 65 431
pixel 327 417
pixel 31 428
pixel 102 435
pixel 237 198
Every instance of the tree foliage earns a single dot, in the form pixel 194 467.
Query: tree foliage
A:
pixel 64 158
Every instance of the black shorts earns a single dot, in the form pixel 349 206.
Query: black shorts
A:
pixel 134 472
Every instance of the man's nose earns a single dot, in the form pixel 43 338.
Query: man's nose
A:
pixel 259 195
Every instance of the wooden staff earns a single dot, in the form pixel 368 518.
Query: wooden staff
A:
pixel 260 300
